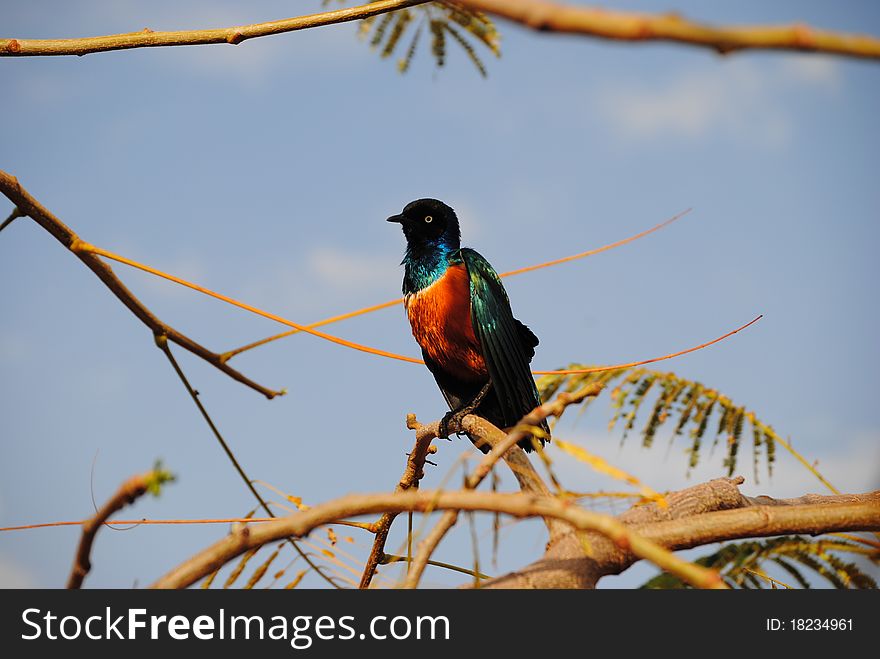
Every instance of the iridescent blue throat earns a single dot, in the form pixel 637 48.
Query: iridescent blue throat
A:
pixel 427 262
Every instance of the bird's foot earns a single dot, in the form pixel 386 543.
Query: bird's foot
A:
pixel 451 423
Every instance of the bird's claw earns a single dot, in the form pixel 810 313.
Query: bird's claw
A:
pixel 450 423
pixel 443 426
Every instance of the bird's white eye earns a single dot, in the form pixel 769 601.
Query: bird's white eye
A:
pixel 428 219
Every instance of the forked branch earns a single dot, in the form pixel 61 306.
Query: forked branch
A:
pixel 29 206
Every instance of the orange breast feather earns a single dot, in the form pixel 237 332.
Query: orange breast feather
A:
pixel 440 316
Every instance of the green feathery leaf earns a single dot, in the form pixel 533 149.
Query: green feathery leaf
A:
pixel 741 563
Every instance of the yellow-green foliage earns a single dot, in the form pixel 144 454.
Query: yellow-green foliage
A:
pixel 465 27
pixel 743 564
pixel 688 407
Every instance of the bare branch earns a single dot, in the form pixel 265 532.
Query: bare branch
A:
pixel 244 538
pixel 147 38
pixel 412 474
pixel 128 492
pixel 635 27
pixel 28 205
pixel 162 344
pixel 500 448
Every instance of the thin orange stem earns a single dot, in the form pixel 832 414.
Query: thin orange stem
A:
pixel 86 247
pixel 82 246
pixel 226 356
pixel 598 369
pixel 138 522
pixel 598 250
pixel 390 303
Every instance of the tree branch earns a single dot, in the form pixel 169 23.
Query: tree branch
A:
pixel 412 474
pixel 28 205
pixel 710 512
pixel 128 492
pixel 244 538
pixel 630 26
pixel 501 447
pixel 147 38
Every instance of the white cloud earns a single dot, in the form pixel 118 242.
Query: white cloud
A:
pixel 353 270
pixel 737 97
pixel 815 69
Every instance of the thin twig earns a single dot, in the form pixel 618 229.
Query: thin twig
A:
pixel 229 35
pixel 128 492
pixel 412 474
pixel 630 26
pixel 391 558
pixel 12 216
pixel 162 344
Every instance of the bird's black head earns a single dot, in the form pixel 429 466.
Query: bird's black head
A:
pixel 428 222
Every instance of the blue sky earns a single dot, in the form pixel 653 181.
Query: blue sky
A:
pixel 266 171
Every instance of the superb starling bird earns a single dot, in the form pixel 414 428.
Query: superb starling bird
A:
pixel 460 316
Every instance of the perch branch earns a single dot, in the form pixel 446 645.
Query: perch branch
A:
pixel 162 344
pixel 638 27
pixel 147 38
pixel 499 450
pixel 28 205
pixel 132 489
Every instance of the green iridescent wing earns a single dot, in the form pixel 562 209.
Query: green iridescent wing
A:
pixel 508 346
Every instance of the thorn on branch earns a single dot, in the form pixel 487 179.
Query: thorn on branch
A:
pixel 16 213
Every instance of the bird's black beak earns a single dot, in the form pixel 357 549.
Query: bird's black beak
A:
pixel 396 218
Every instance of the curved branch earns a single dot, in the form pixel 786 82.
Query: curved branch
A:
pixel 28 205
pixel 147 38
pixel 245 538
pixel 630 26
pixel 128 492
